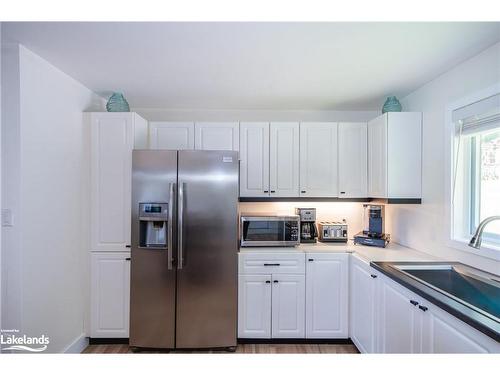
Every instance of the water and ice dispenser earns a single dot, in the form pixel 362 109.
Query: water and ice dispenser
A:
pixel 153 220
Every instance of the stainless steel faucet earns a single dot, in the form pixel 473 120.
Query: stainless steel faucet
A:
pixel 475 241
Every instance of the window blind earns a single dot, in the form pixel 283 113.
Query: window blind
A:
pixel 478 117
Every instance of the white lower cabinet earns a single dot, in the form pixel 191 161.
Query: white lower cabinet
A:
pixel 398 319
pixel 109 294
pixel 271 302
pixel 363 305
pixel 443 333
pixel 410 324
pixel 327 295
pixel 288 315
pixel 254 301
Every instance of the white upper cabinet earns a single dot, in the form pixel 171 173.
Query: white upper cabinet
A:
pixel 254 159
pixel 217 136
pixel 318 159
pixel 284 159
pixel 171 135
pixel 395 156
pixel 288 310
pixel 353 160
pixel 110 295
pixel 113 136
pixel 327 301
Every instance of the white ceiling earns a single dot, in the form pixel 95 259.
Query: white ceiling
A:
pixel 341 66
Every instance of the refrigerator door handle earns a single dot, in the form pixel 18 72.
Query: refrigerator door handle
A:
pixel 170 229
pixel 180 223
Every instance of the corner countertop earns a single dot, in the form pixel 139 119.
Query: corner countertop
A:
pixel 392 252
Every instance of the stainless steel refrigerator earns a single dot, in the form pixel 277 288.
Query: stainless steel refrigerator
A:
pixel 184 249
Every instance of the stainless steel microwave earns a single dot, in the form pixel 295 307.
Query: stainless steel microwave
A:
pixel 269 230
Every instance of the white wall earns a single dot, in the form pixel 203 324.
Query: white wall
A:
pixel 253 115
pixel 325 211
pixel 44 177
pixel 423 227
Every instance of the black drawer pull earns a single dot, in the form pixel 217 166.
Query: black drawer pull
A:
pixel 271 264
pixel 268 282
pixel 342 192
pixel 302 191
pixel 273 191
pixel 310 259
pixel 128 246
pixel 275 281
pixel 266 191
pixel 423 308
pixel 373 276
pixel 413 302
pixel 127 258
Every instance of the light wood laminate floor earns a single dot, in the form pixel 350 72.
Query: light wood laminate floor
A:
pixel 243 348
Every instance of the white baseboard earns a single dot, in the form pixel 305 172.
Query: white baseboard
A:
pixel 78 346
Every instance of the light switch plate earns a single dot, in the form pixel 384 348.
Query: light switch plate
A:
pixel 7 218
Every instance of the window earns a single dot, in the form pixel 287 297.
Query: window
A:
pixel 476 185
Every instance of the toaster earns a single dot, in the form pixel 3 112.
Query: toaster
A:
pixel 332 231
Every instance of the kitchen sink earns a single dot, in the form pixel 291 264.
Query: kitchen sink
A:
pixel 469 286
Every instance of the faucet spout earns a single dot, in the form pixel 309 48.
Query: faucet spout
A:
pixel 475 241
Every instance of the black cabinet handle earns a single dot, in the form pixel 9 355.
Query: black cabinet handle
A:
pixel 310 259
pixel 266 191
pixel 268 282
pixel 128 246
pixel 413 302
pixel 271 264
pixel 273 191
pixel 275 281
pixel 302 191
pixel 423 308
pixel 373 276
pixel 342 192
pixel 127 258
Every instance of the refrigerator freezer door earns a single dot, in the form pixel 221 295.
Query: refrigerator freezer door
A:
pixel 152 294
pixel 207 281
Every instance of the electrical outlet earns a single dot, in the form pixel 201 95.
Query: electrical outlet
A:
pixel 7 218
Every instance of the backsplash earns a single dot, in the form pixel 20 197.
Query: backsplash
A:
pixel 325 211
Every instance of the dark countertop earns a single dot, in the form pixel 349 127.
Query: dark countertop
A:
pixel 481 322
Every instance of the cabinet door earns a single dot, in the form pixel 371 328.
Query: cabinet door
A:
pixel 171 135
pixel 318 159
pixel 327 295
pixel 110 163
pixel 353 160
pixel 110 294
pixel 284 159
pixel 377 157
pixel 254 159
pixel 364 281
pixel 217 136
pixel 399 320
pixel 288 310
pixel 443 333
pixel 254 306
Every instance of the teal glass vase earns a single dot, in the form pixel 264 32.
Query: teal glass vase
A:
pixel 392 104
pixel 117 103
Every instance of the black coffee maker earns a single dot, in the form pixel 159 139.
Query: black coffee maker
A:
pixel 373 232
pixel 308 231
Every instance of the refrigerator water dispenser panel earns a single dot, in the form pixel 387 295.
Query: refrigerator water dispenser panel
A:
pixel 153 218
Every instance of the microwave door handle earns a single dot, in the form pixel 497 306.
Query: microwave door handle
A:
pixel 180 223
pixel 170 230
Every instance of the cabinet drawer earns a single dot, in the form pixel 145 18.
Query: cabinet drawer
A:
pixel 271 263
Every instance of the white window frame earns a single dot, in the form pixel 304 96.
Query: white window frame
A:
pixel 488 250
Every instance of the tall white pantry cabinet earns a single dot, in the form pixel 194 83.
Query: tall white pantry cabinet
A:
pixel 113 136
